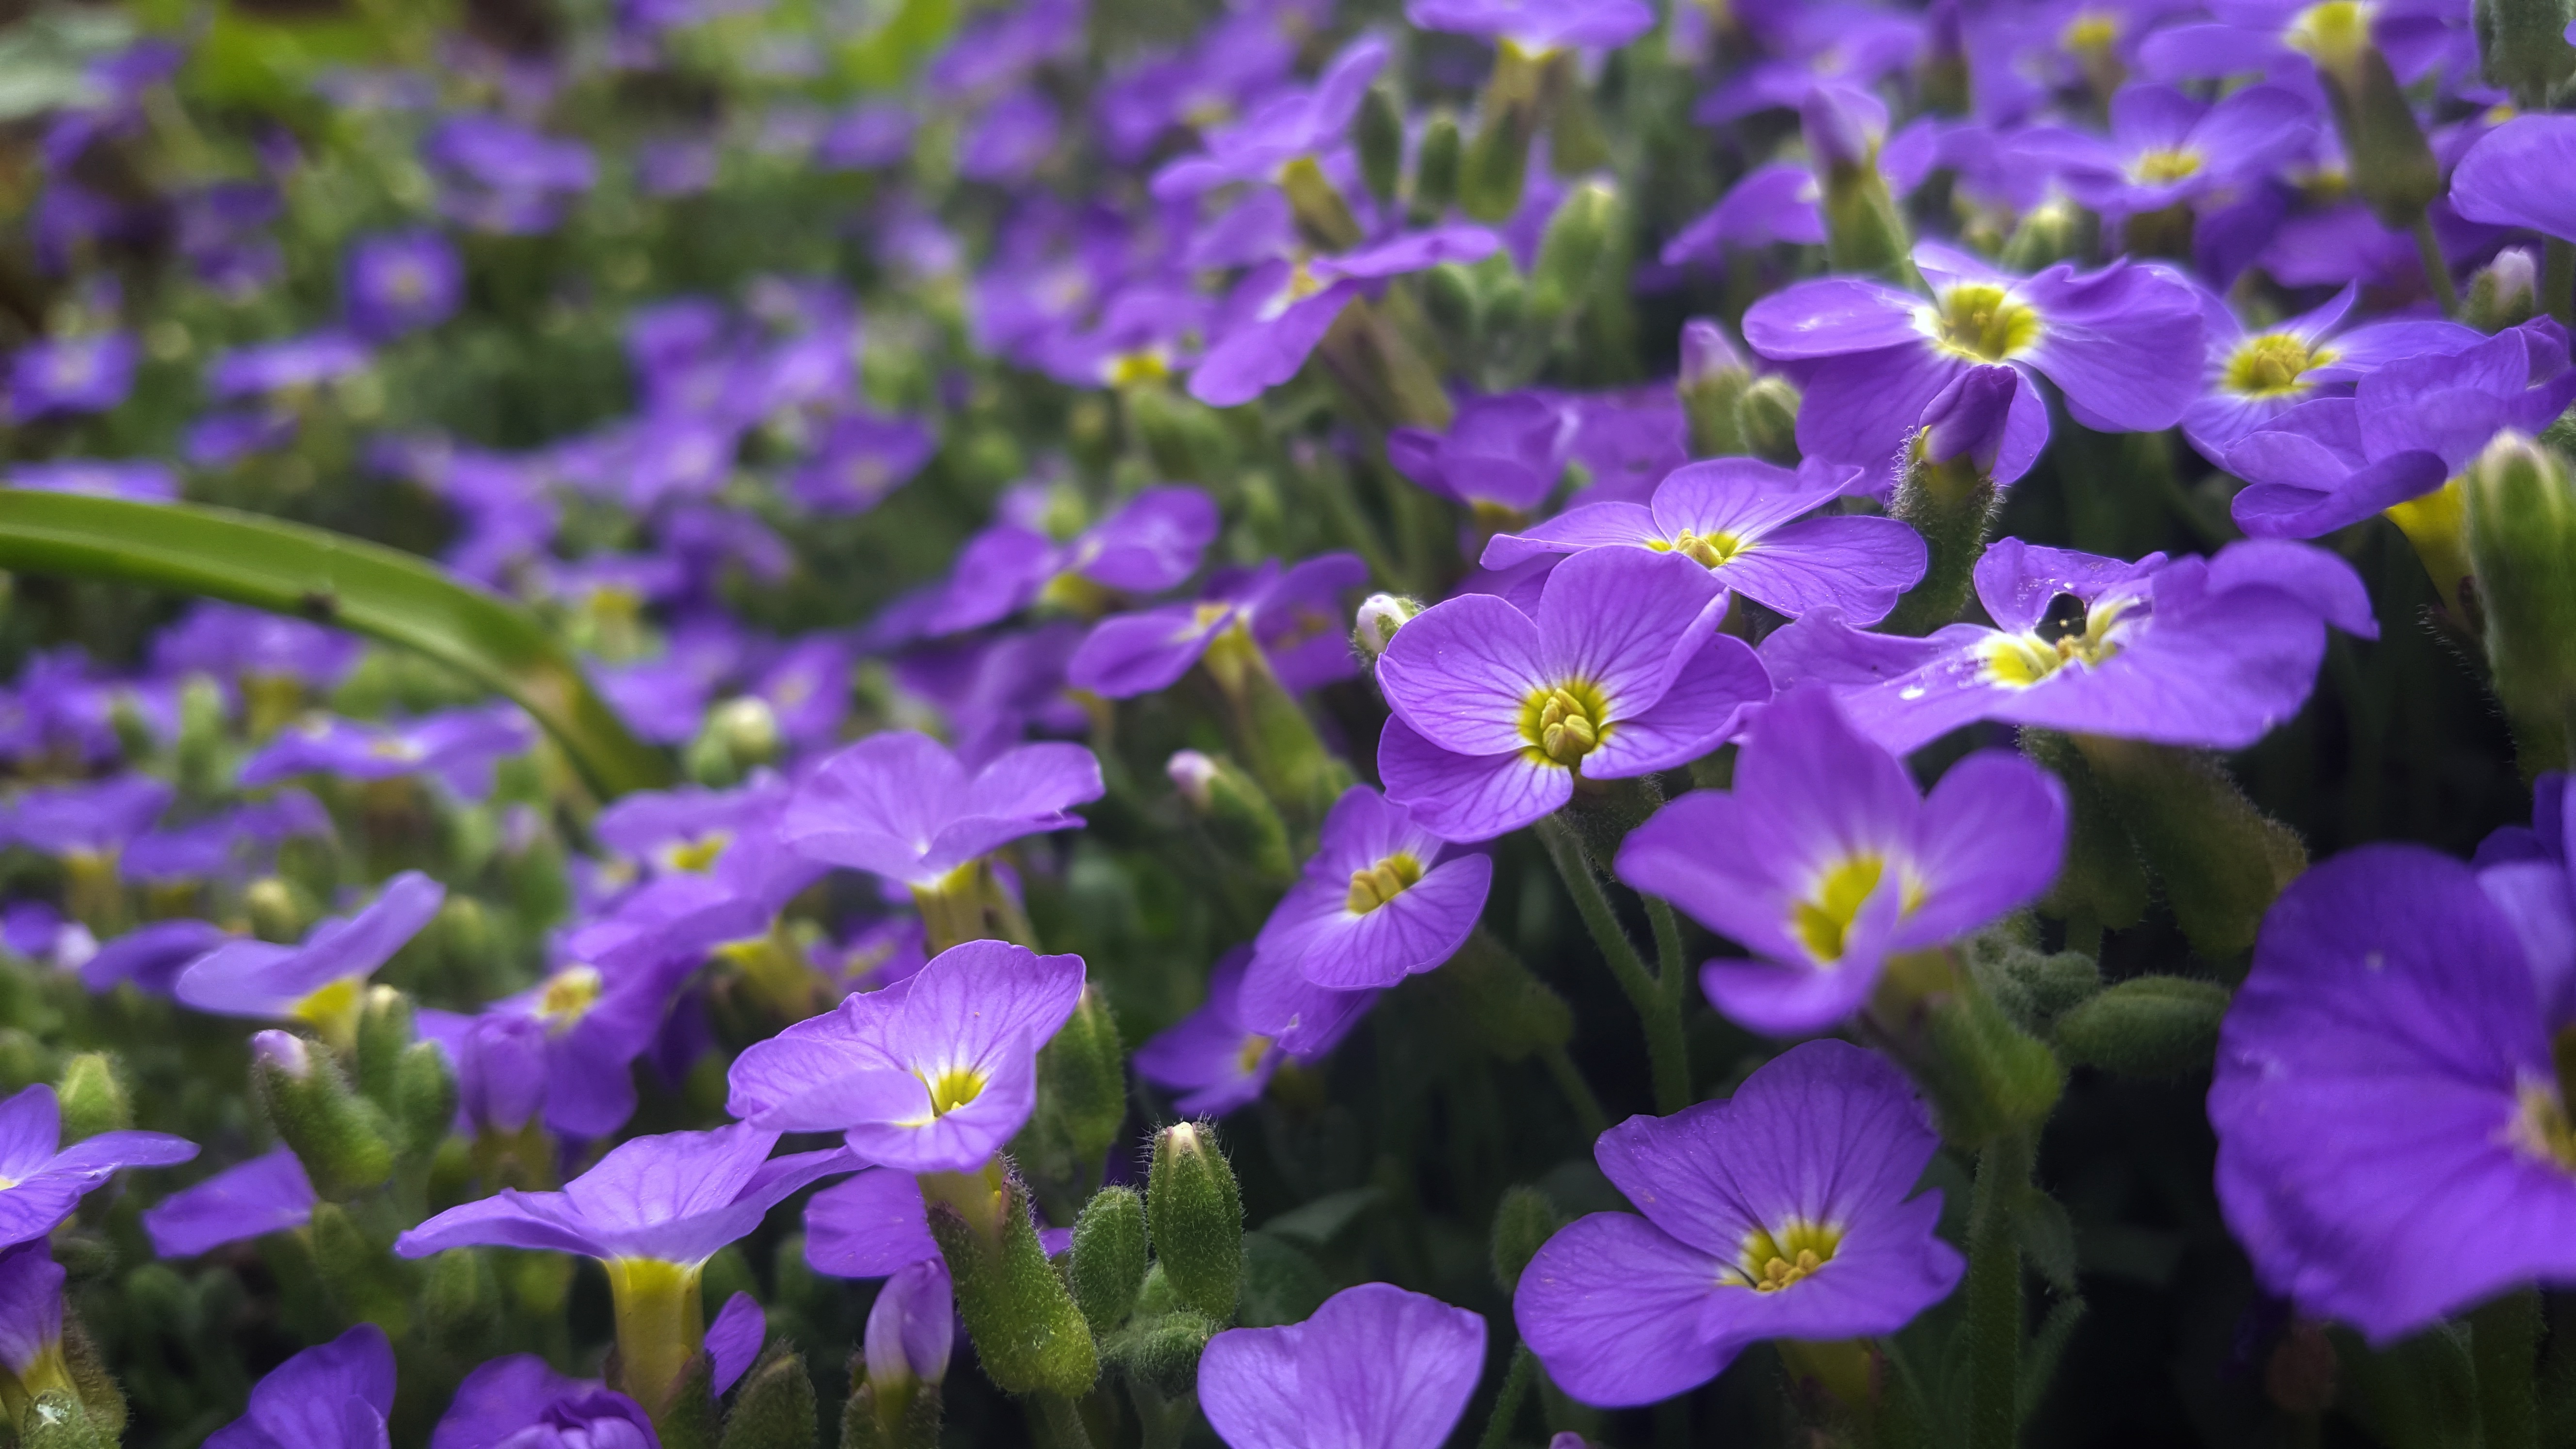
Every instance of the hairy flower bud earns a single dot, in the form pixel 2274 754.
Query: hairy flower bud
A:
pixel 1711 386
pixel 92 1097
pixel 2147 1026
pixel 1196 1211
pixel 2521 533
pixel 1108 1267
pixel 341 1138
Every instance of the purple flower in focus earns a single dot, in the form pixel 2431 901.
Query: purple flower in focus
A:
pixel 1375 1368
pixel 2387 1065
pixel 400 282
pixel 676 1198
pixel 2502 178
pixel 1824 860
pixel 2253 378
pixel 1380 900
pixel 520 1403
pixel 1781 1212
pixel 1210 1058
pixel 1295 618
pixel 1538 27
pixel 1501 454
pixel 932 1074
pixel 72 375
pixel 332 1397
pixel 1147 546
pixel 1743 520
pixel 1621 672
pixel 321 980
pixel 460 747
pixel 2119 343
pixel 898 805
pixel 2207 652
pixel 41 1181
pixel 268 1194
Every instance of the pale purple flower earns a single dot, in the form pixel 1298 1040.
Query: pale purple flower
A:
pixel 1295 617
pixel 72 375
pixel 41 1181
pixel 1824 860
pixel 151 956
pixel 1621 672
pixel 1778 1213
pixel 399 282
pixel 1375 1368
pixel 460 747
pixel 1147 546
pixel 138 480
pixel 900 806
pixel 332 1397
pixel 2166 148
pixel 1278 314
pixel 1537 27
pixel 1210 1058
pixel 1381 899
pixel 912 1327
pixel 268 1194
pixel 519 1403
pixel 1291 125
pixel 320 980
pixel 932 1074
pixel 2502 178
pixel 2253 378
pixel 862 458
pixel 297 362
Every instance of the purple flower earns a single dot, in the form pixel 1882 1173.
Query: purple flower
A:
pixel 862 458
pixel 911 1327
pixel 1621 672
pixel 2208 652
pixel 1502 453
pixel 871 1224
pixel 1773 203
pixel 868 136
pixel 1780 1212
pixel 219 438
pixel 2119 343
pixel 1010 140
pixel 2407 429
pixel 1537 27
pixel 1742 519
pixel 1824 860
pixel 2253 378
pixel 88 823
pixel 1295 618
pixel 460 747
pixel 72 375
pixel 1291 125
pixel 39 1185
pixel 2495 181
pixel 321 980
pixel 1147 546
pixel 1381 899
pixel 677 1198
pixel 297 362
pixel 1375 1368
pixel 1210 1057
pixel 231 642
pixel 400 282
pixel 268 1194
pixel 898 805
pixel 2386 1065
pixel 501 177
pixel 932 1074
pixel 31 1320
pixel 151 956
pixel 520 1403
pixel 567 1045
pixel 1278 314
pixel 2166 148
pixel 138 479
pixel 332 1397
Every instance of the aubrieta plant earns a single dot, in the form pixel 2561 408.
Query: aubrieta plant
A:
pixel 1294 724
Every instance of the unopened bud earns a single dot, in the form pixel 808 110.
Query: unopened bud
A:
pixel 1164 1351
pixel 91 1097
pixel 774 1407
pixel 1380 615
pixel 1322 216
pixel 2521 532
pixel 1770 416
pixel 2047 234
pixel 2147 1026
pixel 2223 862
pixel 1026 1327
pixel 1864 231
pixel 1941 76
pixel 1236 812
pixel 278 910
pixel 341 1138
pixel 1571 251
pixel 1082 1095
pixel 1196 1211
pixel 1711 385
pixel 423 1106
pixel 1108 1267
pixel 1987 1078
pixel 1435 167
pixel 55 1420
pixel 1523 1222
pixel 1842 126
pixel 384 1034
pixel 2504 293
pixel 461 1303
pixel 1496 164
pixel 2392 164
pixel 1377 133
pixel 2522 46
pixel 1948 492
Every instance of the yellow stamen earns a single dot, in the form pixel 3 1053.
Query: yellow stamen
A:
pixel 1563 724
pixel 2271 365
pixel 699 854
pixel 2173 164
pixel 1824 923
pixel 1249 1058
pixel 953 1088
pixel 1773 1259
pixel 1377 884
pixel 569 994
pixel 2022 660
pixel 1708 550
pixel 1982 323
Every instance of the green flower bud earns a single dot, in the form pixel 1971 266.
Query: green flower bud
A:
pixel 2149 1026
pixel 1378 134
pixel 1082 1096
pixel 93 1098
pixel 1273 734
pixel 363 1280
pixel 1770 419
pixel 1523 1222
pixel 1572 250
pixel 2047 234
pixel 2504 293
pixel 1986 1077
pixel 424 1097
pixel 2222 861
pixel 202 737
pixel 2521 524
pixel 341 1138
pixel 1323 217
pixel 279 910
pixel 384 1034
pixel 737 737
pixel 92 1384
pixel 774 1407
pixel 1436 164
pixel 2392 165
pixel 1714 375
pixel 1108 1267
pixel 460 1305
pixel 2522 46
pixel 1197 1215
pixel 55 1420
pixel 2103 881
pixel 1496 166
pixel 1237 815
pixel 1027 1330
pixel 863 1422
pixel 1164 1351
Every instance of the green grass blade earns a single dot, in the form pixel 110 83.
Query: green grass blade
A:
pixel 288 568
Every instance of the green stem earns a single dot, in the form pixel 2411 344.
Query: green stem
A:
pixel 1063 1422
pixel 1507 1403
pixel 1665 1052
pixel 2558 280
pixel 1670 971
pixel 1578 1092
pixel 1995 1295
pixel 2437 267
pixel 2504 1342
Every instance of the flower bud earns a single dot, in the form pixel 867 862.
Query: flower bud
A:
pixel 279 911
pixel 1435 168
pixel 2147 1026
pixel 1028 1332
pixel 1842 127
pixel 92 1098
pixel 1082 1098
pixel 1987 1078
pixel 910 1329
pixel 1571 251
pixel 1108 1268
pixel 339 1136
pixel 203 737
pixel 55 1420
pixel 2504 293
pixel 774 1407
pixel 2521 534
pixel 1714 376
pixel 1196 1211
pixel 1380 615
pixel 1322 216
pixel 1281 1283
pixel 1864 230
pixel 461 1303
pixel 1941 76
pixel 2522 46
pixel 384 1034
pixel 361 1279
pixel 1770 415
pixel 1377 133
pixel 424 1097
pixel 1496 164
pixel 1164 1351
pixel 2392 165
pixel 2222 861
pixel 1948 492
pixel 1523 1222
pixel 2047 234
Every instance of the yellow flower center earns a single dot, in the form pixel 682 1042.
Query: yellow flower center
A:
pixel 1824 922
pixel 2173 164
pixel 331 1008
pixel 2541 1128
pixel 1147 364
pixel 1249 1058
pixel 2022 660
pixel 1382 882
pixel 2334 33
pixel 953 1088
pixel 1708 550
pixel 697 855
pixel 568 996
pixel 1982 323
pixel 2271 365
pixel 1773 1259
pixel 2090 33
pixel 1563 724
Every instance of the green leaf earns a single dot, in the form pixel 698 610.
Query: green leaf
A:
pixel 288 568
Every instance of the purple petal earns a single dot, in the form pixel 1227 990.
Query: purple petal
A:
pixel 869 1226
pixel 1611 1307
pixel 734 1340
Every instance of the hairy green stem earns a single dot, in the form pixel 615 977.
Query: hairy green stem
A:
pixel 1578 1092
pixel 2504 1343
pixel 1507 1402
pixel 2437 267
pixel 1063 1422
pixel 1995 1294
pixel 1665 1051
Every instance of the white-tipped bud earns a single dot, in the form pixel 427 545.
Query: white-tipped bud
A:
pixel 1380 616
